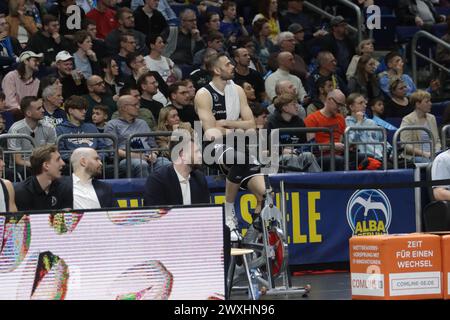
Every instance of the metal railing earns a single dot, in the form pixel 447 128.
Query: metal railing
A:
pixel 347 3
pixel 328 147
pixel 415 53
pixel 396 143
pixel 11 153
pixel 112 150
pixel 129 150
pixel 444 136
pixel 347 144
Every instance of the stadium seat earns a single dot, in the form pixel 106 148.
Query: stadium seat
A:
pixel 384 37
pixel 405 33
pixel 178 8
pixel 443 10
pixel 438 108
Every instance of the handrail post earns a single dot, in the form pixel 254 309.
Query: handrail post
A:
pixel 412 128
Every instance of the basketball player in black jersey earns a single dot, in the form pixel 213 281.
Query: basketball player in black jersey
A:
pixel 212 112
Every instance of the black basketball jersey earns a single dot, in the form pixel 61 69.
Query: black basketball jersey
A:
pixel 218 109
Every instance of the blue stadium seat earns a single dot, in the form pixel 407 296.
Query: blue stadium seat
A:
pixel 214 9
pixel 443 10
pixel 405 33
pixel 438 108
pixel 439 30
pixel 384 37
pixel 394 121
pixel 9 119
pixel 178 8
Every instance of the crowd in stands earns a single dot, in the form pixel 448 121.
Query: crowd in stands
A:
pixel 134 66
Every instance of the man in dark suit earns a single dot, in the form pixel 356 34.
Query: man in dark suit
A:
pixel 86 191
pixel 179 183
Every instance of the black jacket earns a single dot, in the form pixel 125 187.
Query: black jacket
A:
pixel 163 188
pixel 275 121
pixel 406 11
pixel 102 189
pixel 39 43
pixel 154 25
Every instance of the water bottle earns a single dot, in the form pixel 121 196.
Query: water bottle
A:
pixel 254 284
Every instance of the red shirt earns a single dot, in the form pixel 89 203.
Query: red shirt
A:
pixel 337 123
pixel 106 21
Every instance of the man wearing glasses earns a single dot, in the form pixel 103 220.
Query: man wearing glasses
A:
pixel 98 96
pixel 184 41
pixel 329 117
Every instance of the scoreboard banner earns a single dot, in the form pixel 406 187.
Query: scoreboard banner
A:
pixel 132 254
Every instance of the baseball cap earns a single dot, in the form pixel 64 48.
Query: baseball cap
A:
pixel 63 56
pixel 29 54
pixel 295 27
pixel 337 20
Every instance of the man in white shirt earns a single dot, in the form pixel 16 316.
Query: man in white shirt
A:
pixel 88 192
pixel 286 63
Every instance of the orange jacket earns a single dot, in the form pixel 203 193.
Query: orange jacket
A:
pixel 28 24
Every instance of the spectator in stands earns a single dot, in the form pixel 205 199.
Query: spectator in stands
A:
pixel 230 27
pixel 7 202
pixel 263 45
pixel 260 114
pixel 295 14
pixel 338 43
pixel 52 103
pixel 301 45
pixel 398 106
pixel 420 13
pixel 421 116
pixel 163 7
pixel 180 99
pixel 144 113
pixel 126 23
pixel 76 108
pixel 21 26
pixel 357 118
pixel 72 81
pixel 365 81
pixel 33 126
pixel 365 48
pixel 440 171
pixel 149 20
pixel 286 63
pixel 98 45
pixel 213 40
pixel 286 43
pixel 100 117
pixel 395 64
pixel 184 41
pixel 324 86
pixel 269 9
pixel 286 115
pixel 104 17
pixel 126 125
pixel 98 95
pixel 327 65
pixel 9 48
pixel 49 41
pixel 155 61
pixel 330 117
pixel 85 58
pixel 191 89
pixel 286 86
pixel 247 43
pixel 46 81
pixel 243 73
pixel 21 82
pixel 111 75
pixel 168 121
pixel 212 22
pixel 87 192
pixel 377 107
pixel 201 77
pixel 148 87
pixel 249 92
pixel 63 15
pixel 127 46
pixel 42 190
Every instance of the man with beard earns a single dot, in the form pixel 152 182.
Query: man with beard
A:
pixel 87 191
pixel 180 183
pixel 223 108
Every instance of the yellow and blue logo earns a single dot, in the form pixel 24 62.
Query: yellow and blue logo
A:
pixel 369 212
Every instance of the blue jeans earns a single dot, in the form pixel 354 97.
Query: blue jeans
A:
pixel 141 168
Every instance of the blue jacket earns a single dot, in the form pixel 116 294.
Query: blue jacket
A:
pixel 66 146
